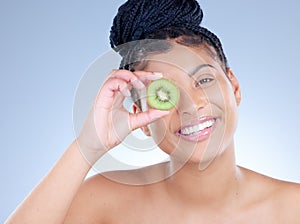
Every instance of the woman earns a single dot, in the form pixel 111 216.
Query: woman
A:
pixel 201 183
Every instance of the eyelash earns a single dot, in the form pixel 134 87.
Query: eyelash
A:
pixel 203 81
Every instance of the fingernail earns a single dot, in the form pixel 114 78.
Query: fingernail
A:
pixel 154 76
pixel 158 74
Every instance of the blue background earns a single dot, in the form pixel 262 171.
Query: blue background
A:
pixel 46 46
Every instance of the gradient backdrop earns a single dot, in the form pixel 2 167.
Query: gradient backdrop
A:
pixel 46 46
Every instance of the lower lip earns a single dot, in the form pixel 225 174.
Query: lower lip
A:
pixel 198 136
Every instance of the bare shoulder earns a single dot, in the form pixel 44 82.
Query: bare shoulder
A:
pixel 281 198
pixel 288 195
pixel 283 189
pixel 287 198
pixel 93 201
pixel 107 195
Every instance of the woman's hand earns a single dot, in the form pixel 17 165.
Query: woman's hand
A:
pixel 108 122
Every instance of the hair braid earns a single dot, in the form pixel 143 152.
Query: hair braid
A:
pixel 160 19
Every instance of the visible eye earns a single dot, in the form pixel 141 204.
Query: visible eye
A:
pixel 203 82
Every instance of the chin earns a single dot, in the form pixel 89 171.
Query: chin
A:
pixel 201 157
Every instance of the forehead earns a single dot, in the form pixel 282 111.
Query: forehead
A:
pixel 182 57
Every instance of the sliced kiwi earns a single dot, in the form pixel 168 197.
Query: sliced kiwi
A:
pixel 162 94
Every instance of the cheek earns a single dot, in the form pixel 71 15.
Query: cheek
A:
pixel 162 134
pixel 221 94
pixel 217 97
pixel 222 99
pixel 232 114
pixel 230 109
pixel 158 130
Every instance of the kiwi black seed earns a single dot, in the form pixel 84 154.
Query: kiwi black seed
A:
pixel 162 94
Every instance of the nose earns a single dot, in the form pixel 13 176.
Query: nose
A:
pixel 191 101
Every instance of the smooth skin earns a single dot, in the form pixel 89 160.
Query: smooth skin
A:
pixel 49 202
pixel 221 193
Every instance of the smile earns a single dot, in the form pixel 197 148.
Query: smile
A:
pixel 197 130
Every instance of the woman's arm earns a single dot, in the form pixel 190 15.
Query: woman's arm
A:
pixel 50 200
pixel 107 124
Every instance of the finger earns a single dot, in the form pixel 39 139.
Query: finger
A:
pixel 129 77
pixel 109 91
pixel 146 76
pixel 138 79
pixel 141 119
pixel 114 85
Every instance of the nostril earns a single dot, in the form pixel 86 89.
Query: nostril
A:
pixel 191 101
pixel 189 109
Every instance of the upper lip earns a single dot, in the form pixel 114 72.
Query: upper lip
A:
pixel 196 122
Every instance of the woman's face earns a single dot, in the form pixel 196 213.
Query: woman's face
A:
pixel 202 124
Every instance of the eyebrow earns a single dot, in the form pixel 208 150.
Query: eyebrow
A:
pixel 198 68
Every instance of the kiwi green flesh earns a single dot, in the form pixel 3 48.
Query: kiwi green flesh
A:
pixel 162 94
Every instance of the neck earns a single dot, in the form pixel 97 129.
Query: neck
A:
pixel 218 183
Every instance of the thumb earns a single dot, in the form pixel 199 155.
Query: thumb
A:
pixel 139 120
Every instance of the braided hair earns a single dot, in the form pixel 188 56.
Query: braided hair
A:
pixel 159 19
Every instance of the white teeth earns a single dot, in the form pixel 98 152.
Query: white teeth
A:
pixel 194 129
pixel 197 128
